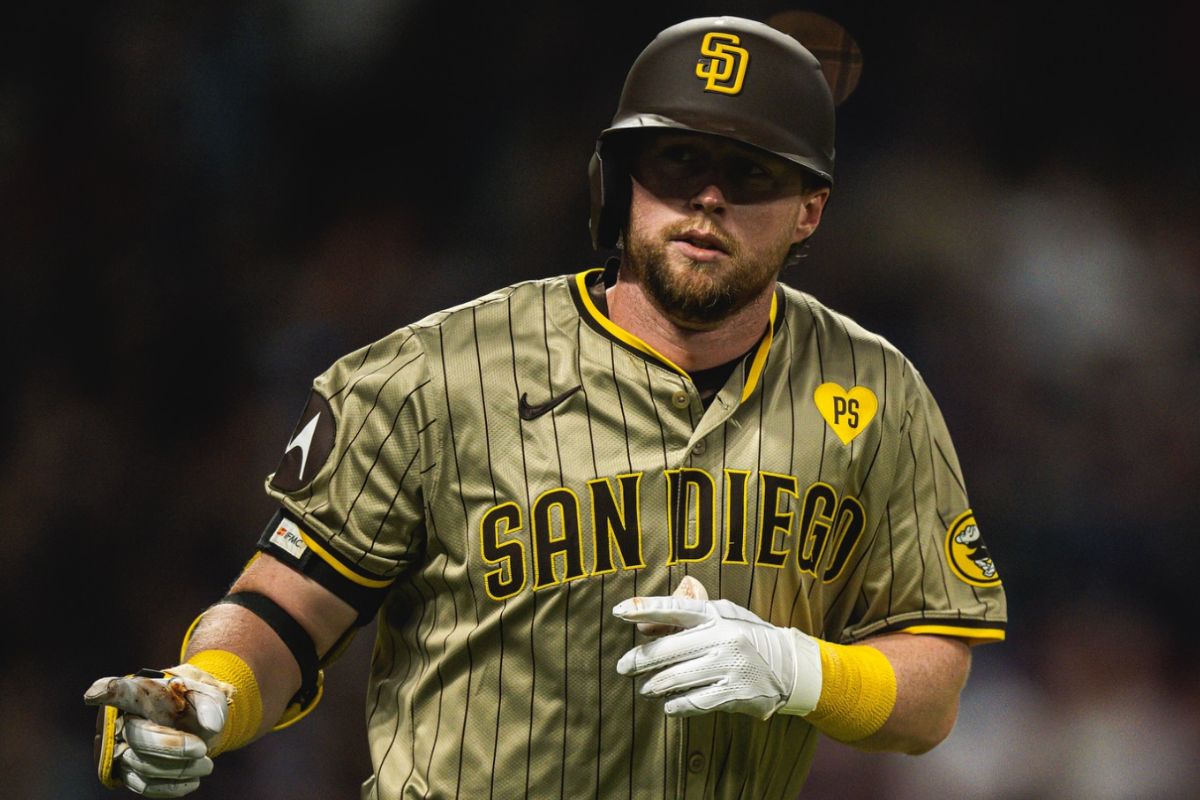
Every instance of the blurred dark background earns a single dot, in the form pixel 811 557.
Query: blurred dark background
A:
pixel 205 204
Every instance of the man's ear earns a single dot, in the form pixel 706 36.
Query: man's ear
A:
pixel 809 217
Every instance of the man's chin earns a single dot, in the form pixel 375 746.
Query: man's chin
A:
pixel 701 278
pixel 693 294
pixel 699 308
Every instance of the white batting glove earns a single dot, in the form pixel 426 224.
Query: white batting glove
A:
pixel 156 727
pixel 725 659
pixel 688 587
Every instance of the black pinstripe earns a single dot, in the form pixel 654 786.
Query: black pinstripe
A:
pixel 920 540
pixel 673 511
pixel 612 357
pixel 391 505
pixel 533 616
pixel 882 414
pixel 357 378
pixel 375 461
pixel 361 427
pixel 487 433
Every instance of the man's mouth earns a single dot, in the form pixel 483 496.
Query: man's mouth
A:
pixel 701 241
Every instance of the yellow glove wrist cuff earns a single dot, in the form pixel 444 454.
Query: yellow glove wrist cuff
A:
pixel 245 707
pixel 858 691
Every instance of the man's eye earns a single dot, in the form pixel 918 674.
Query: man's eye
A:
pixel 750 169
pixel 678 155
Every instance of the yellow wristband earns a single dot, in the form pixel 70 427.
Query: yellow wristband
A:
pixel 858 691
pixel 245 707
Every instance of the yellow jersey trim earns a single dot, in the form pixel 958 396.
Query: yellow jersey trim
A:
pixel 339 566
pixel 983 634
pixel 615 329
pixel 760 357
pixel 633 341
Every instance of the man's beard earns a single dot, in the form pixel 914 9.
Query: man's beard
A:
pixel 700 295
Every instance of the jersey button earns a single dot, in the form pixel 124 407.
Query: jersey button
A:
pixel 695 761
pixel 699 448
pixel 680 399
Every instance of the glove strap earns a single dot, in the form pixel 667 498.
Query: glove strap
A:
pixel 105 746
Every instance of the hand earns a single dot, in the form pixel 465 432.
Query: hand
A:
pixel 156 736
pixel 724 659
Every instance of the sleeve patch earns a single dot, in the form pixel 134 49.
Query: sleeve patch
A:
pixel 968 555
pixel 288 539
pixel 308 448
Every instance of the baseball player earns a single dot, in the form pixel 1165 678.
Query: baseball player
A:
pixel 641 531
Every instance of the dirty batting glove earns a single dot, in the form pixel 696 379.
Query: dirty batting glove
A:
pixel 155 728
pixel 725 658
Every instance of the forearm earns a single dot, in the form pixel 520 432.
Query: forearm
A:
pixel 236 630
pixel 930 673
pixel 233 629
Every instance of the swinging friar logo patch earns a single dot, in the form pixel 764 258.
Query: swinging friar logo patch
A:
pixel 968 555
pixel 308 447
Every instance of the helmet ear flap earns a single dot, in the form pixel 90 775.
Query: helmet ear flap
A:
pixel 608 174
pixel 598 222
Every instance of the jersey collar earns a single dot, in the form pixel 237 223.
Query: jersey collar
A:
pixel 597 320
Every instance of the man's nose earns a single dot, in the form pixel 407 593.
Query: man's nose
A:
pixel 709 199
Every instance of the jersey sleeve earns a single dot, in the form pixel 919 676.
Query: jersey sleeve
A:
pixel 355 472
pixel 930 571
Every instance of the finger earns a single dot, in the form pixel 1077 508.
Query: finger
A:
pixel 159 740
pixel 730 610
pixel 112 691
pixel 208 708
pixel 688 587
pixel 150 766
pixel 661 653
pixel 153 698
pixel 177 703
pixel 684 677
pixel 719 696
pixel 682 706
pixel 680 611
pixel 657 629
pixel 155 788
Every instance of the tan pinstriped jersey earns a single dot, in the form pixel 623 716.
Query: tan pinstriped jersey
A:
pixel 819 488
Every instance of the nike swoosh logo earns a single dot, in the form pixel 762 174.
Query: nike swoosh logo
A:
pixel 303 440
pixel 529 412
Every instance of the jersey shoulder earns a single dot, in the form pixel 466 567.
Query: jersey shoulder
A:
pixel 837 335
pixel 519 296
pixel 482 318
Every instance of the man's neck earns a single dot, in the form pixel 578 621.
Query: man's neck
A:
pixel 630 307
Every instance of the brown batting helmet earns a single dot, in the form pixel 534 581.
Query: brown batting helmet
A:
pixel 725 76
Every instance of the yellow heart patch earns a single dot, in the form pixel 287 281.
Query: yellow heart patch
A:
pixel 847 412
